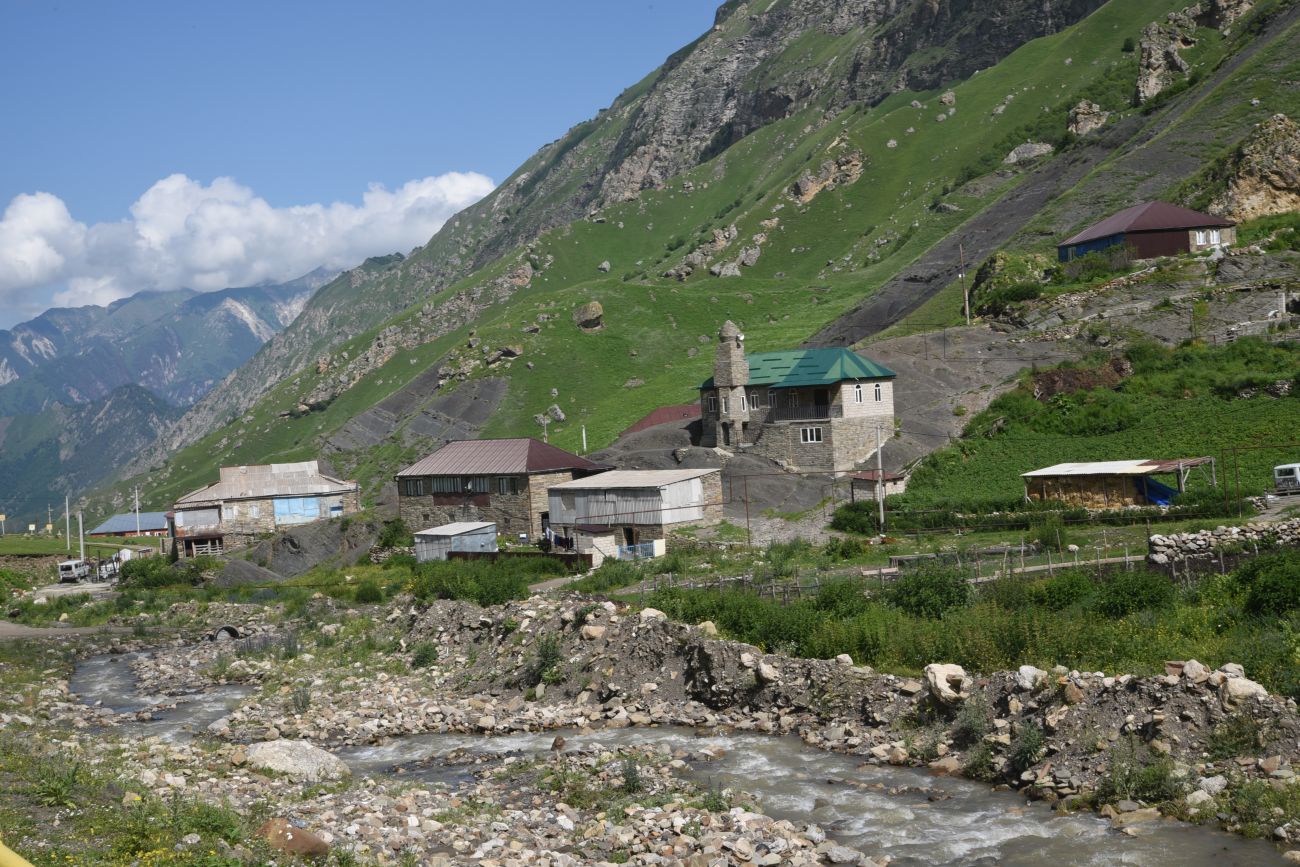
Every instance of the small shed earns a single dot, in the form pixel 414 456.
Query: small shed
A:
pixel 862 486
pixel 437 542
pixel 1112 484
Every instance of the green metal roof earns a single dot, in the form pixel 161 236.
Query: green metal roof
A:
pixel 799 367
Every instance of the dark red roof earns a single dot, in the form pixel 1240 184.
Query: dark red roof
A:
pixel 664 415
pixel 498 458
pixel 1147 217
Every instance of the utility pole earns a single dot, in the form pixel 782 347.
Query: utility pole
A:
pixel 961 275
pixel 67 523
pixel 880 479
pixel 137 510
pixel 49 519
pixel 81 536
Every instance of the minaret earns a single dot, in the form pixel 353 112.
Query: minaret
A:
pixel 731 375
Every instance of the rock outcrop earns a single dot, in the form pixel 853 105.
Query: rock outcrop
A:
pixel 1160 62
pixel 1087 117
pixel 1264 177
pixel 1031 150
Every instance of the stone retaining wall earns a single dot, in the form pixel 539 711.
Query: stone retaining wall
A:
pixel 1205 544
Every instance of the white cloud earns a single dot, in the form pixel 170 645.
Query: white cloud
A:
pixel 182 233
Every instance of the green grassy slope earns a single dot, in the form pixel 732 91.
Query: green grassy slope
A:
pixel 821 258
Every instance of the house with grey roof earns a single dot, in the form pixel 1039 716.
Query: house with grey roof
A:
pixel 635 507
pixel 250 501
pixel 499 480
pixel 130 525
pixel 807 409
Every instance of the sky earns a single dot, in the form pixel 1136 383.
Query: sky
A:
pixel 159 145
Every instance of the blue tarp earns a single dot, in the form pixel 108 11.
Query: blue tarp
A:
pixel 1156 493
pixel 296 510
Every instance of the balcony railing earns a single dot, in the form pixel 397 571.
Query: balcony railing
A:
pixel 811 412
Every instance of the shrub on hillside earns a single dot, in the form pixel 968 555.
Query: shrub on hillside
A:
pixel 395 534
pixel 1067 589
pixel 929 591
pixel 148 572
pixel 1127 592
pixel 1272 584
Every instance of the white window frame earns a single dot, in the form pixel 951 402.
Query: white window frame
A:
pixel 726 405
pixel 1200 237
pixel 880 393
pixel 857 393
pixel 771 399
pixel 753 400
pixel 1215 237
pixel 711 403
pixel 810 435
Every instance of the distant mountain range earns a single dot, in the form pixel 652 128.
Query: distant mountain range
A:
pixel 84 389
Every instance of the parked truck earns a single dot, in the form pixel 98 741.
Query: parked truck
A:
pixel 1286 479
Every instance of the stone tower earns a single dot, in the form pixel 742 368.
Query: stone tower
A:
pixel 730 376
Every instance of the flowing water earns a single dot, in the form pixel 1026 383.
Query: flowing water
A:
pixel 904 813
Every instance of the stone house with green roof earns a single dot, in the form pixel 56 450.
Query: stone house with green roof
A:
pixel 806 409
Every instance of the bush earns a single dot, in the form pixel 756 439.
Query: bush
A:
pixel 1026 748
pixel 153 572
pixel 1272 584
pixel 1137 774
pixel 368 593
pixel 395 535
pixel 424 654
pixel 546 656
pixel 1127 592
pixel 611 575
pixel 1067 589
pixel 929 591
pixel 485 583
pixel 842 598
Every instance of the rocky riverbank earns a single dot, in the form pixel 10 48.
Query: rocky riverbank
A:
pixel 334 685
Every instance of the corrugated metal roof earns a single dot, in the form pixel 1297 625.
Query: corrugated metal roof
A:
pixel 149 521
pixel 1116 468
pixel 1147 217
pixel 631 479
pixel 497 458
pixel 791 368
pixel 268 480
pixel 459 528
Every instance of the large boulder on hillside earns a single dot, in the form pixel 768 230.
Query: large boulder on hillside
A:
pixel 298 759
pixel 590 316
pixel 1030 150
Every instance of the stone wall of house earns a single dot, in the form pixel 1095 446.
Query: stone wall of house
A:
pixel 1206 544
pixel 512 513
pixel 854 439
pixel 783 443
pixel 882 409
pixel 711 486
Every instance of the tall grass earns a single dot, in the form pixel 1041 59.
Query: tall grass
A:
pixel 1128 622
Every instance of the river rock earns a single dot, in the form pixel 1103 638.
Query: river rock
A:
pixel 1029 678
pixel 298 759
pixel 1237 692
pixel 708 628
pixel 652 614
pixel 949 684
pixel 591 632
pixel 283 837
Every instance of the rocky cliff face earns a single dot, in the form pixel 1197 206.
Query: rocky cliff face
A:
pixel 754 67
pixel 1162 43
pixel 1265 172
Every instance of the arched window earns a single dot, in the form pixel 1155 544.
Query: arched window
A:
pixel 857 393
pixel 879 394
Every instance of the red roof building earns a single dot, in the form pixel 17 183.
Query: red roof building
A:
pixel 504 481
pixel 1151 229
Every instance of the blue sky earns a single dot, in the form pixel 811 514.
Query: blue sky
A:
pixel 298 104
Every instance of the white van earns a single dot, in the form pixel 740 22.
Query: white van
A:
pixel 1286 479
pixel 71 571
